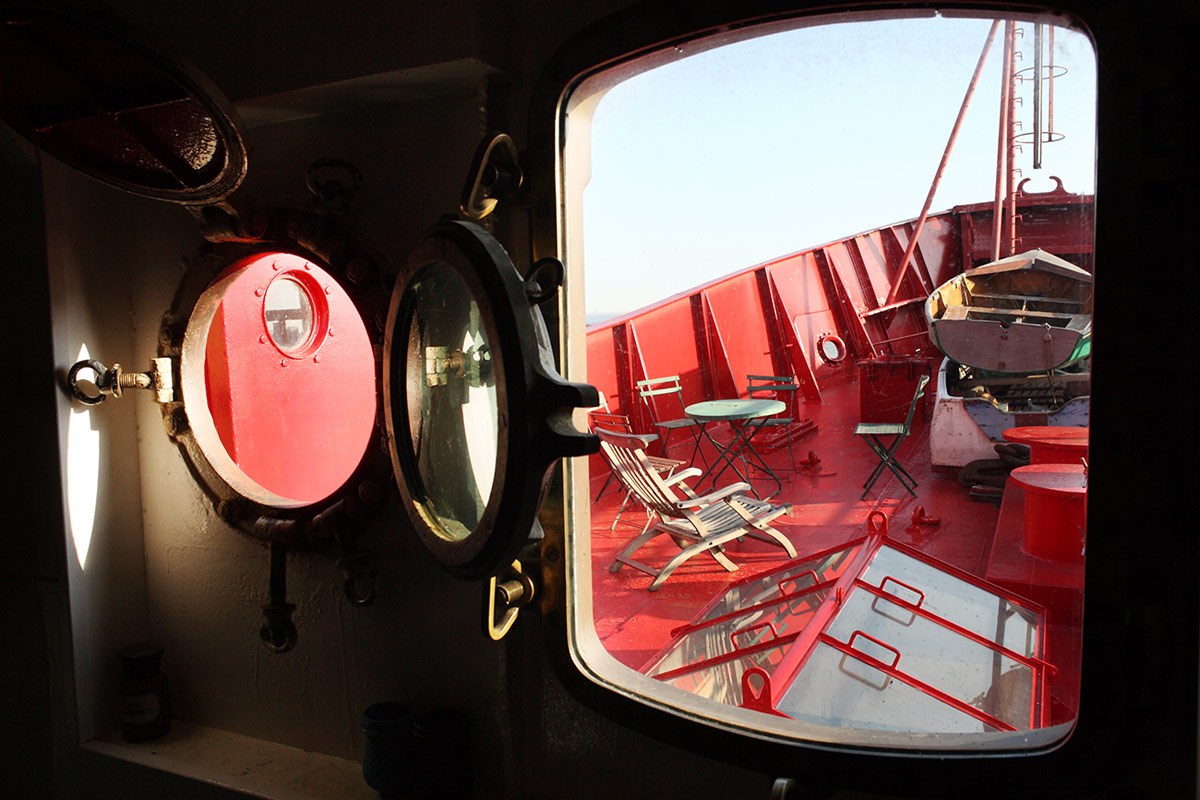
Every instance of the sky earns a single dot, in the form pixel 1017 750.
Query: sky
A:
pixel 735 156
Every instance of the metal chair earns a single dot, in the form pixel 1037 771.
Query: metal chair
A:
pixel 874 433
pixel 776 387
pixel 651 390
pixel 697 524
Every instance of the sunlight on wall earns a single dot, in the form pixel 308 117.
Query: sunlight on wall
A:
pixel 83 474
pixel 480 414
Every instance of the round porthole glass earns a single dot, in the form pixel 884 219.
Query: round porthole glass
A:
pixel 831 348
pixel 476 414
pixel 453 414
pixel 288 314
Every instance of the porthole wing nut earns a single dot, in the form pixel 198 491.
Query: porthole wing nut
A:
pixel 114 381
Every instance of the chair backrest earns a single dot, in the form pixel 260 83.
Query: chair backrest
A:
pixel 924 379
pixel 626 452
pixel 608 421
pixel 772 387
pixel 652 388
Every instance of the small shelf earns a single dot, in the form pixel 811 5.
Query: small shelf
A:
pixel 243 763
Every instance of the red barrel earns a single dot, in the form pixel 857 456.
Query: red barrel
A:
pixel 1055 510
pixel 1052 444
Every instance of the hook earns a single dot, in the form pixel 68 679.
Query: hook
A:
pixel 333 181
pixel 359 579
pixel 114 381
pixel 544 279
pixel 494 175
pixel 512 595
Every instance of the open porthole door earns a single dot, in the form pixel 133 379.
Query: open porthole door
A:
pixel 277 331
pixel 476 411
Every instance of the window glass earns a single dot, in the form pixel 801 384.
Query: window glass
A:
pixel 888 219
pixel 288 314
pixel 453 414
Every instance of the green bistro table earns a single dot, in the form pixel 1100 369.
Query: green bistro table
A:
pixel 744 418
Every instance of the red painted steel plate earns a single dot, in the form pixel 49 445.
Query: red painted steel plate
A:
pixel 296 419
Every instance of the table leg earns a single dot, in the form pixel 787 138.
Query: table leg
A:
pixel 755 458
pixel 743 432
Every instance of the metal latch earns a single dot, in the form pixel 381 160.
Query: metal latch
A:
pixel 114 381
pixel 509 596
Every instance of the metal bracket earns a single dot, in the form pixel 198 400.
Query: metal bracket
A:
pixel 278 632
pixel 114 381
pixel 494 175
pixel 511 594
pixel 782 789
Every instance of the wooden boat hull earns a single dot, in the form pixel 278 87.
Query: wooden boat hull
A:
pixel 1026 313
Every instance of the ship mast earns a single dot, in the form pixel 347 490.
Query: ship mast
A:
pixel 1008 140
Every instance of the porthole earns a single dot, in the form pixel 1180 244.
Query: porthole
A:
pixel 475 415
pixel 278 373
pixel 831 348
pixel 765 637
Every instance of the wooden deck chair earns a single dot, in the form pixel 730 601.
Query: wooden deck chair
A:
pixel 697 524
pixel 875 434
pixel 621 424
pixel 655 390
pixel 777 387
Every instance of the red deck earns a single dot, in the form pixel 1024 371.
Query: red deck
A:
pixel 635 623
pixel 974 536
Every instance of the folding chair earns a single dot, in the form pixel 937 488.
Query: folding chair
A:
pixel 776 387
pixel 697 524
pixel 620 423
pixel 653 388
pixel 874 434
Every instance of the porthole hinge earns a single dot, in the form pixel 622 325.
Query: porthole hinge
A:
pixel 231 220
pixel 113 381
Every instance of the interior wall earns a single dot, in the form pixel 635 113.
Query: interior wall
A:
pixel 161 565
pixel 93 279
pixel 207 583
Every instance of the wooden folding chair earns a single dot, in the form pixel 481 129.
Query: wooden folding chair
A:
pixel 697 524
pixel 620 423
pixel 654 390
pixel 875 433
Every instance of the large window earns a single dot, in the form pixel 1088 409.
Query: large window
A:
pixel 890 218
